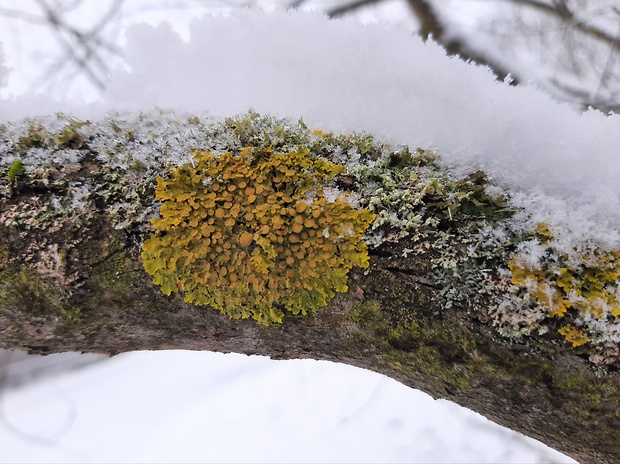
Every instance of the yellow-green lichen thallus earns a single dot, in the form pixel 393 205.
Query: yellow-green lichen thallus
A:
pixel 253 234
pixel 581 286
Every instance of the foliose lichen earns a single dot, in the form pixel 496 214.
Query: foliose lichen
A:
pixel 15 170
pixel 574 292
pixel 253 234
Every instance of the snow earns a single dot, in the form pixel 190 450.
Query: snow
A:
pixel 4 72
pixel 184 406
pixel 341 76
pixel 345 76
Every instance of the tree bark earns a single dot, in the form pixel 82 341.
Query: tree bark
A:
pixel 78 284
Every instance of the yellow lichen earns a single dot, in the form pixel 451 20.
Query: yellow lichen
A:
pixel 252 234
pixel 573 335
pixel 586 281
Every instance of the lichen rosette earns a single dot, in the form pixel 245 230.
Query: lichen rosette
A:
pixel 253 234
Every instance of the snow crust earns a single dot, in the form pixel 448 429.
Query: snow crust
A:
pixel 184 406
pixel 343 76
pixel 4 71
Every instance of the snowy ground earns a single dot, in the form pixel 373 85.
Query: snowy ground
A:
pixel 183 406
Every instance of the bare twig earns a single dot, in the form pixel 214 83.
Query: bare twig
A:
pixel 83 49
pixel 431 25
pixel 72 48
pixel 606 74
pixel 584 98
pixel 560 10
pixel 350 7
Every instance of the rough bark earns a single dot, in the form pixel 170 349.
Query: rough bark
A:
pixel 87 291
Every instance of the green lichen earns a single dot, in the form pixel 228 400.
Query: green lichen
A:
pixel 417 343
pixel 15 170
pixel 37 136
pixel 72 315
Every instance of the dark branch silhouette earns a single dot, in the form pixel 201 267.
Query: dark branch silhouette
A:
pixel 432 24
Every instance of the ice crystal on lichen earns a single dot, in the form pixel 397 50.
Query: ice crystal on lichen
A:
pixel 580 285
pixel 253 235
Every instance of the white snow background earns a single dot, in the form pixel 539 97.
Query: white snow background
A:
pixel 184 406
pixel 337 75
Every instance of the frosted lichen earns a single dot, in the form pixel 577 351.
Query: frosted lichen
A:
pixel 575 292
pixel 483 253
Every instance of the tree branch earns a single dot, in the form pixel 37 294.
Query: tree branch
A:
pixel 350 7
pixel 563 12
pixel 431 25
pixel 71 278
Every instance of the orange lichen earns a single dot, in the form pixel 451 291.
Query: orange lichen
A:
pixel 240 232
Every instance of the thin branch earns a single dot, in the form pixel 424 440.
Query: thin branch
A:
pixel 606 74
pixel 563 12
pixel 82 48
pixel 295 4
pixel 432 25
pixel 22 16
pixel 71 50
pixel 349 7
pixel 584 98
